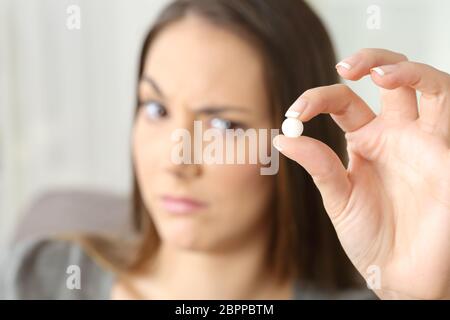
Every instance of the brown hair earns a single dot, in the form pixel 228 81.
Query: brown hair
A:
pixel 298 55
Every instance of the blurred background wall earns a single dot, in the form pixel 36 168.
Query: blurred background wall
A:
pixel 67 96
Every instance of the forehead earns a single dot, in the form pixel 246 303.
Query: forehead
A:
pixel 198 57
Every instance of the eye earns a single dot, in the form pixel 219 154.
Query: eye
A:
pixel 223 124
pixel 154 110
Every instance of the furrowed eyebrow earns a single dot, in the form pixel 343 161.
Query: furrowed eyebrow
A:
pixel 153 84
pixel 208 110
pixel 212 110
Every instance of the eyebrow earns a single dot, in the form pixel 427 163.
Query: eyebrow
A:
pixel 154 85
pixel 209 110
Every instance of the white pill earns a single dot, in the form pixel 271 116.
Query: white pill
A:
pixel 292 127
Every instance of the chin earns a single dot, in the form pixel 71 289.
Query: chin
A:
pixel 191 236
pixel 185 238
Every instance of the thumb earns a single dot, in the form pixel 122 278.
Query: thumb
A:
pixel 323 165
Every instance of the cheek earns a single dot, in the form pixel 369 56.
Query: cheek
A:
pixel 243 192
pixel 145 151
pixel 141 149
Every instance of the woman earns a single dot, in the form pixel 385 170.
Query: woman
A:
pixel 224 231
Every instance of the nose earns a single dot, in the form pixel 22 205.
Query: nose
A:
pixel 184 171
pixel 188 168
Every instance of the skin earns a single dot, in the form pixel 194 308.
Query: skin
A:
pixel 391 206
pixel 218 252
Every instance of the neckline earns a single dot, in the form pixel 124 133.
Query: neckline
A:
pixel 111 278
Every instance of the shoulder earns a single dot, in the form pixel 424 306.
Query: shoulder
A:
pixel 42 269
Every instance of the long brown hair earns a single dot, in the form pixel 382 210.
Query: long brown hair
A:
pixel 298 55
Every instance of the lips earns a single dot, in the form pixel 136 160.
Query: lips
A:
pixel 181 205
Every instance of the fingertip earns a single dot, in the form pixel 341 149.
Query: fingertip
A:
pixel 287 145
pixel 305 116
pixel 343 66
pixel 378 77
pixel 378 71
pixel 350 68
pixel 348 74
pixel 277 142
pixel 343 69
pixel 384 79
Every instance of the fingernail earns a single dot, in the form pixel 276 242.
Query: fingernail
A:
pixel 379 71
pixel 384 70
pixel 296 109
pixel 276 143
pixel 344 65
pixel 292 114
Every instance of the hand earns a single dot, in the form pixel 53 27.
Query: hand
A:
pixel 391 206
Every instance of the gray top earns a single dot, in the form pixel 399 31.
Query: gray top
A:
pixel 41 269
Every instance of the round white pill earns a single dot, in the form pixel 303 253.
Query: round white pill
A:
pixel 292 127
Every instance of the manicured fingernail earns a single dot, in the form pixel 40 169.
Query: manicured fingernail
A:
pixel 344 65
pixel 379 71
pixel 292 114
pixel 296 109
pixel 384 70
pixel 276 143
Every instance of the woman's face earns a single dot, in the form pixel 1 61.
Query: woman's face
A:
pixel 197 71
